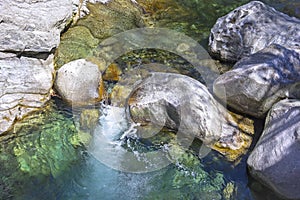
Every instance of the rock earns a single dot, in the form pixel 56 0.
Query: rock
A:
pixel 80 82
pixel 32 26
pixel 89 119
pixel 29 32
pixel 249 29
pixel 181 103
pixel 257 82
pixel 103 21
pixel 25 85
pixel 46 143
pixel 76 43
pixel 112 73
pixel 275 160
pixel 106 20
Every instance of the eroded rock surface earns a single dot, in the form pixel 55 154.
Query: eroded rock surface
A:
pixel 32 26
pixel 181 103
pixel 249 29
pixel 275 160
pixel 29 32
pixel 25 85
pixel 79 82
pixel 257 82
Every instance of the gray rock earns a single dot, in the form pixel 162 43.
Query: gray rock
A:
pixel 249 29
pixel 275 160
pixel 79 82
pixel 181 103
pixel 32 26
pixel 257 82
pixel 25 85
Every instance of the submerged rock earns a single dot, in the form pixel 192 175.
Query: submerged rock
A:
pixel 50 148
pixel 249 29
pixel 103 21
pixel 183 104
pixel 275 160
pixel 257 82
pixel 25 85
pixel 80 82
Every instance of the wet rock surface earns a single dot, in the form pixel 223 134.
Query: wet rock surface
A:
pixel 181 103
pixel 249 29
pixel 256 82
pixel 80 82
pixel 275 160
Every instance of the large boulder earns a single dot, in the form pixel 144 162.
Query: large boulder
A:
pixel 29 32
pixel 257 82
pixel 182 103
pixel 32 26
pixel 275 160
pixel 79 82
pixel 249 29
pixel 25 85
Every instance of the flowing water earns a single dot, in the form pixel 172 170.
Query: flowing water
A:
pixel 46 156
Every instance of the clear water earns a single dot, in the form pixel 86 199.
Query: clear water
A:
pixel 42 158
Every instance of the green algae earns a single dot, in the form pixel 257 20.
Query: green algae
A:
pixel 104 20
pixel 76 43
pixel 47 143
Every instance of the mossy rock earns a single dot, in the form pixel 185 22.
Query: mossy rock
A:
pixel 76 43
pixel 47 143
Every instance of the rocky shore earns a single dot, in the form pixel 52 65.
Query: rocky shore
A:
pixel 262 44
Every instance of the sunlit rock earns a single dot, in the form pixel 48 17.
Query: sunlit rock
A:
pixel 32 26
pixel 249 29
pixel 80 82
pixel 25 85
pixel 257 82
pixel 112 73
pixel 275 160
pixel 183 104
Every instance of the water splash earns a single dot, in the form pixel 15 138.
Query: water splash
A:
pixel 116 144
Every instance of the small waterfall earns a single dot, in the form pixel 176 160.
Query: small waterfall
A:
pixel 111 144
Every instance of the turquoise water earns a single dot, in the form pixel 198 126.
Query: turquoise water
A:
pixel 45 157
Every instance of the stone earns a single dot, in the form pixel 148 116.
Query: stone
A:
pixel 249 29
pixel 183 104
pixel 80 82
pixel 256 82
pixel 25 85
pixel 275 160
pixel 112 73
pixel 108 19
pixel 103 21
pixel 32 26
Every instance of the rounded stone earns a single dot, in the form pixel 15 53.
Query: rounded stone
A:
pixel 80 82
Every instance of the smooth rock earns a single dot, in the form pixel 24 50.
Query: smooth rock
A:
pixel 32 26
pixel 181 103
pixel 25 85
pixel 257 82
pixel 275 160
pixel 249 29
pixel 79 82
